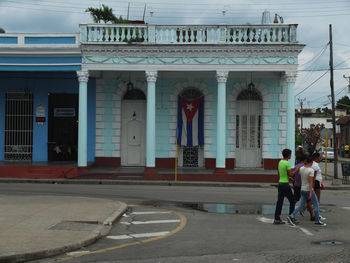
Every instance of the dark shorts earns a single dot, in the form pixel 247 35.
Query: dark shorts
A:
pixel 297 193
pixel 317 184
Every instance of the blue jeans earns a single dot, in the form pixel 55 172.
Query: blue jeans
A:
pixel 304 197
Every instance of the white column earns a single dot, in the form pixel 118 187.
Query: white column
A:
pixel 221 77
pixel 151 119
pixel 83 77
pixel 290 78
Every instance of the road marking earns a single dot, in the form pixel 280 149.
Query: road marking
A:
pixel 151 222
pixel 265 219
pixel 346 208
pixel 149 213
pixel 77 252
pixel 140 242
pixel 154 234
pixel 270 221
pixel 307 232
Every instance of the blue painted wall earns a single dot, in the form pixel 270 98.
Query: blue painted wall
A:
pixel 41 84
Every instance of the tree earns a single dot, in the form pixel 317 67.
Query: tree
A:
pixel 311 135
pixel 344 103
pixel 106 15
pixel 327 111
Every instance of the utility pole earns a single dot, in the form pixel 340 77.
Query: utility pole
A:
pixel 301 101
pixel 335 141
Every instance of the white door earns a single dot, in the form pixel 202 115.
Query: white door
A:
pixel 248 134
pixel 133 137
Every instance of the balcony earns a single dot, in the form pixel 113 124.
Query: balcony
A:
pixel 188 34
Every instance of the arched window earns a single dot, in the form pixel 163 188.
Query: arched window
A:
pixel 191 94
pixel 134 94
pixel 249 95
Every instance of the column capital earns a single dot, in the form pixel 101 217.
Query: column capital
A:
pixel 151 76
pixel 83 75
pixel 290 76
pixel 221 76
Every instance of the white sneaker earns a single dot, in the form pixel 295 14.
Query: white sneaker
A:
pixel 320 223
pixel 322 218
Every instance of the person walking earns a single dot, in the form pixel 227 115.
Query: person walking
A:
pixel 285 172
pixel 316 157
pixel 307 175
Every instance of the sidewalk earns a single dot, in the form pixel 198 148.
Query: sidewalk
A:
pixel 33 227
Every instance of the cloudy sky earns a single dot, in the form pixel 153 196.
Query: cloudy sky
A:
pixel 313 17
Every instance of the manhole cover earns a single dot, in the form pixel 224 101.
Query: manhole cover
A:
pixel 333 242
pixel 75 226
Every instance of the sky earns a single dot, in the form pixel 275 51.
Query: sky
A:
pixel 312 16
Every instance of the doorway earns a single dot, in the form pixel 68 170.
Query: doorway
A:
pixel 133 137
pixel 248 130
pixel 63 127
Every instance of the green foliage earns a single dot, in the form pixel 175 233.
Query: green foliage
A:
pixel 106 15
pixel 327 111
pixel 344 103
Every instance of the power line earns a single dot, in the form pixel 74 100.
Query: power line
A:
pixel 313 83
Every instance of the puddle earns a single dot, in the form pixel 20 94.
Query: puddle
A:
pixel 246 209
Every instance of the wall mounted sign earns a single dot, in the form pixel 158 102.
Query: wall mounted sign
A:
pixel 64 112
pixel 40 114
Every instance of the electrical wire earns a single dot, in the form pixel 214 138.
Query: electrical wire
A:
pixel 312 83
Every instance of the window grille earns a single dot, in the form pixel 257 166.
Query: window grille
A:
pixel 190 156
pixel 19 126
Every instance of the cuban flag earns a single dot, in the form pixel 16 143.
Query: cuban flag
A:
pixel 190 122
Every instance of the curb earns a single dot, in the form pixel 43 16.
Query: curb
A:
pixel 101 230
pixel 154 182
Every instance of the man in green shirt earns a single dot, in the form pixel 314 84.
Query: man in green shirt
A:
pixel 285 172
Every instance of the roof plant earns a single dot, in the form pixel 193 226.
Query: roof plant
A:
pixel 106 15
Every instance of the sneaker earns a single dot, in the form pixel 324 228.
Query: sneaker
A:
pixel 320 223
pixel 322 218
pixel 278 222
pixel 291 220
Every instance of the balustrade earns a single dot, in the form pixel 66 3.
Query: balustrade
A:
pixel 189 34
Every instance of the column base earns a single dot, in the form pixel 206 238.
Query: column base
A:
pixel 83 170
pixel 150 173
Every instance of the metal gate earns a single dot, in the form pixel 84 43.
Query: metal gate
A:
pixel 19 126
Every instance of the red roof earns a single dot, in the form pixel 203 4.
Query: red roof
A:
pixel 343 120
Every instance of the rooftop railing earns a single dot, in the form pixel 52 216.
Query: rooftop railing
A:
pixel 39 40
pixel 188 34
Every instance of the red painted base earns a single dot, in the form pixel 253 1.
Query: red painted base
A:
pixel 220 171
pixel 38 172
pixel 150 173
pixel 107 161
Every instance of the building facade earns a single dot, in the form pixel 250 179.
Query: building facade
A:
pixel 217 97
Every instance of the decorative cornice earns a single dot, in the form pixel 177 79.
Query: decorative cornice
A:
pixel 164 51
pixel 221 76
pixel 249 60
pixel 151 76
pixel 83 75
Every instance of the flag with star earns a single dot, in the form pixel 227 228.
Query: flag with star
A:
pixel 190 122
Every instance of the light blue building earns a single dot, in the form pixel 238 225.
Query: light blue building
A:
pixel 111 96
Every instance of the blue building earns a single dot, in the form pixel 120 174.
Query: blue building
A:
pixel 219 97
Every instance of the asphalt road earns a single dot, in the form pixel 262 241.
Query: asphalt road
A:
pixel 193 235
